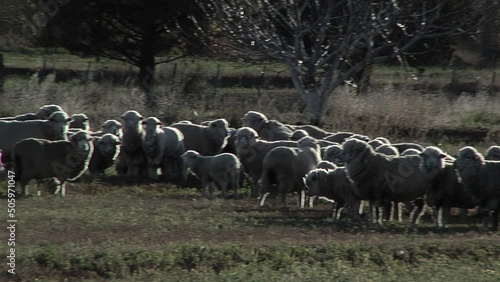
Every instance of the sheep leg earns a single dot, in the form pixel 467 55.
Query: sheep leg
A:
pixel 311 201
pixel 263 198
pixel 236 184
pixel 435 215
pixel 211 190
pixel 302 199
pixel 445 214
pixel 417 211
pixel 153 173
pixel 495 219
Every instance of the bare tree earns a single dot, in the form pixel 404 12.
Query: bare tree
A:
pixel 326 43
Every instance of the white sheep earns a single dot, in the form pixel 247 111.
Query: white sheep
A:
pixel 335 186
pixel 378 178
pixel 80 121
pixel 251 151
pixel 492 153
pixel 106 150
pixel 54 128
pixel 62 160
pixel 284 168
pixel 444 190
pixel 271 130
pixel 42 113
pixel 132 161
pixel 163 147
pixel 110 126
pixel 205 139
pixel 222 170
pixel 481 179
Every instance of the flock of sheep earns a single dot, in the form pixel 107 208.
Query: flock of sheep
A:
pixel 346 168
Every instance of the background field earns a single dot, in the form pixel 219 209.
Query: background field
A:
pixel 106 229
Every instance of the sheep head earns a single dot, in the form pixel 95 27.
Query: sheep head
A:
pixel 131 121
pixel 81 141
pixel 59 122
pixel 493 153
pixel 246 138
pixel 333 154
pixel 298 134
pixel 151 125
pixel 45 111
pixel 189 159
pixel 112 126
pixel 431 162
pixel 219 129
pixel 355 150
pixel 254 120
pixel 80 121
pixel 108 145
pixel 468 163
pixel 313 179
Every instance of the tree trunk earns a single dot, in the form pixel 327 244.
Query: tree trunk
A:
pixel 315 106
pixel 146 78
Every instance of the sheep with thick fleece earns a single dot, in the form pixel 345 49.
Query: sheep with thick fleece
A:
pixel 132 160
pixel 251 151
pixel 445 190
pixel 284 168
pixel 410 152
pixel 270 130
pixel 41 159
pixel 326 165
pixel 163 147
pixel 333 154
pixel 311 130
pixel 379 178
pixel 333 185
pixel 298 134
pixel 492 153
pixel 80 121
pixel 338 137
pixel 43 113
pixel 106 150
pixel 401 147
pixel 387 150
pixel 208 140
pixel 222 170
pixel 481 180
pixel 54 128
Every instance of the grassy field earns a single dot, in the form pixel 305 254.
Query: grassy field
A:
pixel 159 232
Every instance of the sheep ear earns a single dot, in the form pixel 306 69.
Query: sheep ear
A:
pixel 141 117
pixel 442 156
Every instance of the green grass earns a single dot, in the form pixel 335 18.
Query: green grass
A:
pixel 157 232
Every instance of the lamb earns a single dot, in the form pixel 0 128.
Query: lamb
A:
pixel 42 113
pixel 480 178
pixel 285 167
pixel 333 154
pixel 444 189
pixel 379 179
pixel 333 185
pixel 387 150
pixel 493 153
pixel 110 126
pixel 54 128
pixel 222 169
pixel 132 161
pixel 80 121
pixel 207 140
pixel 251 151
pixel 270 130
pixel 404 146
pixel 163 147
pixel 106 150
pixel 62 160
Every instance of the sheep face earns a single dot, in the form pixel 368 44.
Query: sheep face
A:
pixel 219 128
pixel 246 138
pixel 82 142
pixel 80 121
pixel 189 159
pixel 254 120
pixel 468 163
pixel 493 153
pixel 59 122
pixel 354 150
pixel 112 126
pixel 333 154
pixel 312 181
pixel 431 162
pixel 298 134
pixel 151 126
pixel 45 111
pixel 108 145
pixel 131 121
